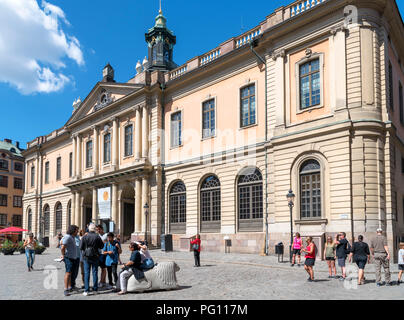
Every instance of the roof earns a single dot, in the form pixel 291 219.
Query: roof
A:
pixel 11 148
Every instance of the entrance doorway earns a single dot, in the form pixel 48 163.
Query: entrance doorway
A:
pixel 105 225
pixel 88 216
pixel 128 220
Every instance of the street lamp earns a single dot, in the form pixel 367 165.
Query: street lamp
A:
pixel 291 203
pixel 146 212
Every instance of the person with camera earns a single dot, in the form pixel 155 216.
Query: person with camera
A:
pixel 91 244
pixel 196 247
pixel 342 251
pixel 128 268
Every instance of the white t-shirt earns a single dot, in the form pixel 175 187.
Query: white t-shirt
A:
pixel 401 256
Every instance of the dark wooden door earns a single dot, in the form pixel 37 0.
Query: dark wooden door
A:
pixel 128 219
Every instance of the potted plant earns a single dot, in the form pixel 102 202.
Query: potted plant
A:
pixel 20 247
pixel 39 248
pixel 8 248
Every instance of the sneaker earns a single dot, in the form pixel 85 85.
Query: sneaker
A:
pixel 378 284
pixel 299 265
pixel 74 288
pixel 67 293
pixel 100 285
pixel 310 280
pixel 29 269
pixel 341 278
pixel 292 265
pixel 389 284
pixel 85 293
pixel 329 277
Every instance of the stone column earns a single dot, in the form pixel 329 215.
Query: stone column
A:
pixel 138 134
pixel 145 132
pixel 138 206
pixel 279 58
pixel 77 209
pixel 74 171
pixel 73 208
pixel 115 204
pixel 145 196
pixel 95 150
pixel 115 141
pixel 95 202
pixel 79 155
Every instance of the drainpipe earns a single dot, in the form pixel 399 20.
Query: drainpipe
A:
pixel 162 152
pixel 39 154
pixel 253 44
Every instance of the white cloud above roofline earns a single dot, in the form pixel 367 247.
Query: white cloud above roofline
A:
pixel 34 47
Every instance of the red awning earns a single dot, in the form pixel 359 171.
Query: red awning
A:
pixel 12 230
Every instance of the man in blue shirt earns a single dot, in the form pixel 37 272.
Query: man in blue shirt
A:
pixel 69 256
pixel 111 252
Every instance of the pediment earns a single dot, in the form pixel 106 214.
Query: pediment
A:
pixel 101 96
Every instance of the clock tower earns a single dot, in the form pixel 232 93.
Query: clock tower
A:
pixel 160 41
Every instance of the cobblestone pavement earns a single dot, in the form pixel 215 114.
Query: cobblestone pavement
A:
pixel 221 276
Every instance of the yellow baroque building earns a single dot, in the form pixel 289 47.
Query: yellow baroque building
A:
pixel 310 100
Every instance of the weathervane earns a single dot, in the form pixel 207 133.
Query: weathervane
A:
pixel 160 7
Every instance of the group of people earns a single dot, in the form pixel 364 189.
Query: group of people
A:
pixel 95 249
pixel 340 250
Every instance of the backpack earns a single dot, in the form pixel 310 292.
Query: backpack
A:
pixel 195 246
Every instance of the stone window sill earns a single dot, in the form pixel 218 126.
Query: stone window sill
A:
pixel 311 221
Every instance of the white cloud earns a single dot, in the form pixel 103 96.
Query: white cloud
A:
pixel 33 46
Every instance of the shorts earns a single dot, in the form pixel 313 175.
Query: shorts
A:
pixel 341 262
pixel 69 263
pixel 101 262
pixel 330 258
pixel 361 263
pixel 297 251
pixel 401 267
pixel 309 262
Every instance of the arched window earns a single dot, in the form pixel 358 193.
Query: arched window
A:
pixel 46 221
pixel 178 208
pixel 210 205
pixel 250 200
pixel 58 218
pixel 29 220
pixel 310 190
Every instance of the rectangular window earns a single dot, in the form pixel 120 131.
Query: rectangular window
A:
pixel 18 183
pixel 176 127
pixel 3 164
pixel 18 166
pixel 58 168
pixel 89 154
pixel 70 164
pixel 400 92
pixel 107 148
pixel 3 219
pixel 310 84
pixel 391 87
pixel 4 181
pixel 208 119
pixel 248 110
pixel 32 176
pixel 3 200
pixel 128 141
pixel 17 220
pixel 17 202
pixel 47 172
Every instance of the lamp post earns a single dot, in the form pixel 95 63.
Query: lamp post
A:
pixel 146 212
pixel 291 203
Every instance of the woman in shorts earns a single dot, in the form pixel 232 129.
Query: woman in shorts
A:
pixel 310 251
pixel 361 255
pixel 297 247
pixel 329 254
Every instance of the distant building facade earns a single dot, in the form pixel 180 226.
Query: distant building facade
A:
pixel 309 100
pixel 11 184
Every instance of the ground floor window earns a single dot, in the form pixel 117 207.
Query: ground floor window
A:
pixel 310 190
pixel 210 205
pixel 178 208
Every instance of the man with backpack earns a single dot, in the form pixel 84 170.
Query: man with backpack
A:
pixel 196 247
pixel 343 249
pixel 90 245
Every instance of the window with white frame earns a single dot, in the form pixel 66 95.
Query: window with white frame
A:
pixel 128 140
pixel 248 106
pixel 310 190
pixel 47 172
pixel 58 168
pixel 309 84
pixel 208 119
pixel 107 148
pixel 89 154
pixel 176 127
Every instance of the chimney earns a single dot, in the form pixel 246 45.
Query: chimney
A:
pixel 8 140
pixel 17 144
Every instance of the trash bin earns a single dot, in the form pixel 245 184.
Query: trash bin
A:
pixel 279 249
pixel 167 242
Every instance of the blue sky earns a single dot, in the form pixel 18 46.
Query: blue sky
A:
pixel 88 35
